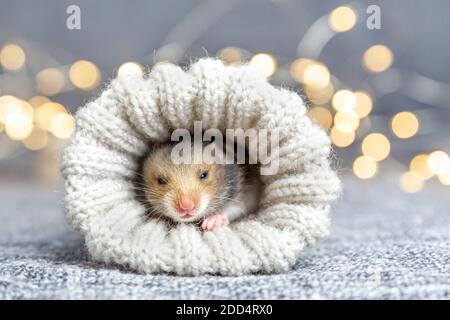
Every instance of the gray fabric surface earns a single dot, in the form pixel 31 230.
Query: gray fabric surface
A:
pixel 384 245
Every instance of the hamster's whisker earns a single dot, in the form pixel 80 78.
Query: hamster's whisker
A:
pixel 140 189
pixel 138 173
pixel 140 184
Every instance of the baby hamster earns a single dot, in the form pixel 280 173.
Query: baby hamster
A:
pixel 211 194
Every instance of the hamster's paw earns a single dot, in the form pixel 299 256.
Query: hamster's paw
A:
pixel 214 222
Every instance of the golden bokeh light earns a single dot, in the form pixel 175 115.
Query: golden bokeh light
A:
pixel 376 146
pixel 10 105
pixel 231 55
pixel 26 108
pixel 6 99
pixel 322 116
pixel 36 140
pixel 84 75
pixel 404 125
pixel 444 178
pixel 346 121
pixel 161 62
pixel 265 63
pixel 344 101
pixel 18 126
pixel 45 113
pixel 130 69
pixel 320 96
pixel 342 139
pixel 36 101
pixel 12 57
pixel 298 68
pixel 410 183
pixel 316 75
pixel 342 19
pixel 50 81
pixel 419 167
pixel 365 167
pixel 63 125
pixel 438 162
pixel 363 105
pixel 378 58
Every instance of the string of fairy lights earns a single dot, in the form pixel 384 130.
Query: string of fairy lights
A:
pixel 339 109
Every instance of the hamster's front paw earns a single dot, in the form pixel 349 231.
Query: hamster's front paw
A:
pixel 214 222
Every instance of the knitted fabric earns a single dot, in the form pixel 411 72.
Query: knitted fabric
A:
pixel 114 131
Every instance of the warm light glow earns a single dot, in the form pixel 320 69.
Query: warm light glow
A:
pixel 36 101
pixel 84 75
pixel 322 116
pixel 378 58
pixel 12 57
pixel 50 81
pixel 444 178
pixel 363 104
pixel 404 125
pixel 376 146
pixel 231 55
pixel 298 68
pixel 342 19
pixel 419 167
pixel 346 121
pixel 36 140
pixel 265 63
pixel 45 113
pixel 161 62
pixel 18 126
pixel 344 101
pixel 10 105
pixel 365 167
pixel 63 125
pixel 438 162
pixel 410 183
pixel 130 69
pixel 26 108
pixel 320 96
pixel 342 139
pixel 316 76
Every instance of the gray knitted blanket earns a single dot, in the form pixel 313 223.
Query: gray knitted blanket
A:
pixel 384 245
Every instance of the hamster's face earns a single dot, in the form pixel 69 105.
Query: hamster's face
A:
pixel 182 192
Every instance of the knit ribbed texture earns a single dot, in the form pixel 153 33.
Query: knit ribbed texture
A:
pixel 114 131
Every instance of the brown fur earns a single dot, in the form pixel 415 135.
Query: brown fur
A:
pixel 219 187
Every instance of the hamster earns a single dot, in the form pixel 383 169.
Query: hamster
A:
pixel 212 195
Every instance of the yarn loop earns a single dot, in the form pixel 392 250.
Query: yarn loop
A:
pixel 114 131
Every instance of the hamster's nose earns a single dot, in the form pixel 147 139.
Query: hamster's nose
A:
pixel 186 205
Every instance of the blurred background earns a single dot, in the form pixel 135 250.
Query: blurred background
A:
pixel 376 74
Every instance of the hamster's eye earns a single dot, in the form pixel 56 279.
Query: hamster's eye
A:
pixel 161 181
pixel 203 175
